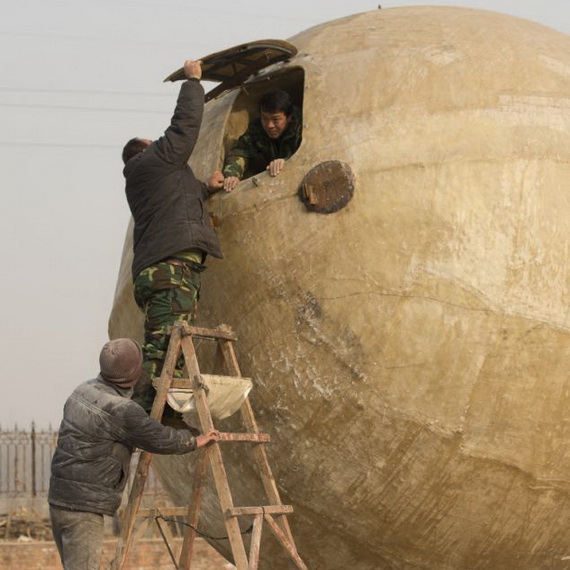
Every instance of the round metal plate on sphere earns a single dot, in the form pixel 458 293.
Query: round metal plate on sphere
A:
pixel 328 187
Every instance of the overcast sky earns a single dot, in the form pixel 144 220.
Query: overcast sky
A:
pixel 79 78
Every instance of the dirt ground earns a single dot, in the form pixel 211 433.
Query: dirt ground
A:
pixel 147 554
pixel 26 542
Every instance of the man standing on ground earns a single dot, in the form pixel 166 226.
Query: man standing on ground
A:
pixel 101 427
pixel 172 229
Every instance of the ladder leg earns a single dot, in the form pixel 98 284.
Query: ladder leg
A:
pixel 216 462
pixel 194 510
pixel 255 542
pixel 133 504
pixel 289 547
pixel 232 524
pixel 258 451
pixel 135 496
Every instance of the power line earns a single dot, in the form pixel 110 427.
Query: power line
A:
pixel 74 108
pixel 82 92
pixel 58 145
pixel 97 39
pixel 202 11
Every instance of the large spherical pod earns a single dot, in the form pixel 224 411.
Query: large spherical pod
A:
pixel 409 348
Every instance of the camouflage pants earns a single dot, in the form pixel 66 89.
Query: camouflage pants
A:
pixel 166 292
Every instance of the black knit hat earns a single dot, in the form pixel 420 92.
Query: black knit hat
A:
pixel 121 362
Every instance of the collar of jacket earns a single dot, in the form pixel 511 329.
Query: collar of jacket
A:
pixel 125 392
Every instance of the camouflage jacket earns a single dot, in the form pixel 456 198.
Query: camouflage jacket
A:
pixel 255 144
pixel 101 427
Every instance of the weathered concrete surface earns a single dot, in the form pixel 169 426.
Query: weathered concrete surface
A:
pixel 411 351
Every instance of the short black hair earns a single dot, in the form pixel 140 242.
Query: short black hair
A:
pixel 276 101
pixel 133 147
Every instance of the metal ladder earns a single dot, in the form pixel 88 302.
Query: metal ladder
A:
pixel 274 514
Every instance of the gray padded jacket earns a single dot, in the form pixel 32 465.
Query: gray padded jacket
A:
pixel 101 427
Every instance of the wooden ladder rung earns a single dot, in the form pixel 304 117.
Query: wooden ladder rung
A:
pixel 187 384
pixel 266 510
pixel 180 383
pixel 165 511
pixel 254 437
pixel 213 334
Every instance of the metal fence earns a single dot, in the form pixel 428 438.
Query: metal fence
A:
pixel 25 461
pixel 25 458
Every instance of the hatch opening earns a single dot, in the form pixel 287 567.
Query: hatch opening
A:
pixel 245 112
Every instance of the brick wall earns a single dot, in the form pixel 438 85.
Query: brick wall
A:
pixel 147 554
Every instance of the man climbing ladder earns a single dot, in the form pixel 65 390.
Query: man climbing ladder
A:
pixel 172 229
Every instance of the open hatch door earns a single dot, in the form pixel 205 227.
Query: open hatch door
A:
pixel 231 67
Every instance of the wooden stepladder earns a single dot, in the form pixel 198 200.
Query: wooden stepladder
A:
pixel 274 514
